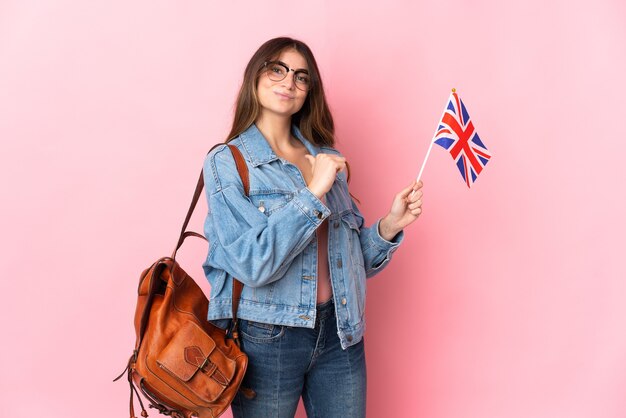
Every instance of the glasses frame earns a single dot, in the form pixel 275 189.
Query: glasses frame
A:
pixel 295 73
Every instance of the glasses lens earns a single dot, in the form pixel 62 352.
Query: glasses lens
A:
pixel 303 80
pixel 276 72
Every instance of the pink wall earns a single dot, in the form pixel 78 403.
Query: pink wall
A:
pixel 506 300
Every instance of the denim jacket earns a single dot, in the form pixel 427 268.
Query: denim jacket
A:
pixel 268 240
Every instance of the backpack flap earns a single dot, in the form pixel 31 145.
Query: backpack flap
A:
pixel 192 358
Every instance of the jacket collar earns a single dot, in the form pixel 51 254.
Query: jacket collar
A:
pixel 259 151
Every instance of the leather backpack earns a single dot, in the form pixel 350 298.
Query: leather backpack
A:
pixel 184 365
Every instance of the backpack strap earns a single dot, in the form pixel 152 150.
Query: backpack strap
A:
pixel 242 169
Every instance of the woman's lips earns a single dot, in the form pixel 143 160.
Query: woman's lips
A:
pixel 284 96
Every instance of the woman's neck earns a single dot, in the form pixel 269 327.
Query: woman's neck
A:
pixel 276 130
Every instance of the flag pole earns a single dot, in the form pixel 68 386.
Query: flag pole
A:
pixel 419 176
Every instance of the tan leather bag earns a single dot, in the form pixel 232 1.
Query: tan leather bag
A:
pixel 183 364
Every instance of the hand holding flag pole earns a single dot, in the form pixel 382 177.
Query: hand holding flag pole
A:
pixel 455 132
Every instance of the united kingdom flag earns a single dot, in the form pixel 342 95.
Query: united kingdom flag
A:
pixel 456 133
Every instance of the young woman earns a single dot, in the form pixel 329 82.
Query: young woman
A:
pixel 298 243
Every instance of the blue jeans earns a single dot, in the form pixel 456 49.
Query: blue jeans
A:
pixel 288 362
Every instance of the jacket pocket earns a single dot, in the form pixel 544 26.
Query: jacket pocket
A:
pixel 351 225
pixel 269 201
pixel 356 269
pixel 216 278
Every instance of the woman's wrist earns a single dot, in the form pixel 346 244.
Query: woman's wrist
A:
pixel 316 192
pixel 386 229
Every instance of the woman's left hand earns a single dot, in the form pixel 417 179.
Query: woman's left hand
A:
pixel 405 209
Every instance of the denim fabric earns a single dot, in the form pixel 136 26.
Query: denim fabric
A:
pixel 287 362
pixel 268 240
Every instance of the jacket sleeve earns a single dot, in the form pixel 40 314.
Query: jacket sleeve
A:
pixel 255 248
pixel 377 251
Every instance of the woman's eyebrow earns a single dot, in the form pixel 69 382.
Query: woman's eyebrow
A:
pixel 295 69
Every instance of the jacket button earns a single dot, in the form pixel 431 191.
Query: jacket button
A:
pixel 343 301
pixel 349 338
pixel 305 317
pixel 318 214
pixel 339 263
pixel 336 224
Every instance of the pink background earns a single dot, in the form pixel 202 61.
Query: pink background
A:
pixel 507 300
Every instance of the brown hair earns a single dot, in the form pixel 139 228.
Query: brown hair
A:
pixel 314 118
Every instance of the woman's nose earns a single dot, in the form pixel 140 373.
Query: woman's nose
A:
pixel 289 81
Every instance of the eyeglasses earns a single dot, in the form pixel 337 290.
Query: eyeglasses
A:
pixel 277 71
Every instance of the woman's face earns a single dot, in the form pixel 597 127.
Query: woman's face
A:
pixel 283 97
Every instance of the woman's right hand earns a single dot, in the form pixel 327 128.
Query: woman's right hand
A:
pixel 325 168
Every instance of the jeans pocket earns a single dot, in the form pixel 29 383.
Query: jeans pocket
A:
pixel 260 332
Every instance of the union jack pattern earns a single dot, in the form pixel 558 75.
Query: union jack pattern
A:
pixel 456 133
